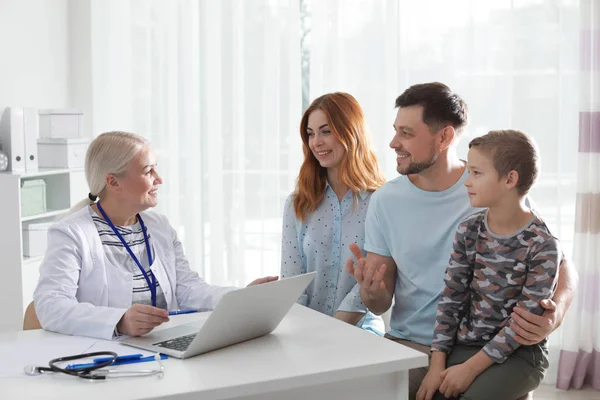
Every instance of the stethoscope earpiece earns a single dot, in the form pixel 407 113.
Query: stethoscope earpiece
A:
pixel 32 370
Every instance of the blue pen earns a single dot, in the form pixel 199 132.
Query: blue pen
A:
pixel 124 361
pixel 177 312
pixel 99 360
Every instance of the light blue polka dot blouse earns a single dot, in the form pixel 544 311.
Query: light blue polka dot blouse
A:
pixel 322 244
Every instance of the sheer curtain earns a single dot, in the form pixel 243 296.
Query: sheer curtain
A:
pixel 580 355
pixel 513 61
pixel 215 85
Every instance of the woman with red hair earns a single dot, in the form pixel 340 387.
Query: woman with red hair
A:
pixel 326 212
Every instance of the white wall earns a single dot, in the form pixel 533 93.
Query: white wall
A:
pixel 80 50
pixel 35 53
pixel 35 71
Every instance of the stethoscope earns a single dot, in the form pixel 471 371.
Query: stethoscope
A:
pixel 151 286
pixel 95 372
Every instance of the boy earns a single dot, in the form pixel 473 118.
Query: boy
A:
pixel 504 256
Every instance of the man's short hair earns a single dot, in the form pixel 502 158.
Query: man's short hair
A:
pixel 511 150
pixel 441 106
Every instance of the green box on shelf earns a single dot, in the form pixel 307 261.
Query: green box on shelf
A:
pixel 33 197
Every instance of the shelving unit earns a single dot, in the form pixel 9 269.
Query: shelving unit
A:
pixel 64 187
pixel 47 214
pixel 32 260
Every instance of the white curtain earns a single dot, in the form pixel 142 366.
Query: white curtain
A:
pixel 215 85
pixel 515 62
pixel 580 355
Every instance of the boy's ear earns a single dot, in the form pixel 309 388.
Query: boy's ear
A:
pixel 511 179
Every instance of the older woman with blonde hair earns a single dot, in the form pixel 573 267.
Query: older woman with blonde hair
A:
pixel 112 267
pixel 326 212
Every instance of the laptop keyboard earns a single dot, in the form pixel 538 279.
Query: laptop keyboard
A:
pixel 180 343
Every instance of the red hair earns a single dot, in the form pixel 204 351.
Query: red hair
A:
pixel 359 169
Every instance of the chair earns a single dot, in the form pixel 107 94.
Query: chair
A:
pixel 31 321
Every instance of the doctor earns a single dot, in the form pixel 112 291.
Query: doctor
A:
pixel 111 267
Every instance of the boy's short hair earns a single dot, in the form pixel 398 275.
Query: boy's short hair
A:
pixel 511 150
pixel 441 106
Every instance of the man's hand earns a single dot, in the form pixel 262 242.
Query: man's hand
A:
pixel 532 329
pixel 430 385
pixel 266 279
pixel 141 319
pixel 456 380
pixel 369 277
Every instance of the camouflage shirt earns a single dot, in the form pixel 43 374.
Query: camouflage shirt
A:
pixel 487 277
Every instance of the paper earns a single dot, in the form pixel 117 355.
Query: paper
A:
pixel 38 351
pixel 117 347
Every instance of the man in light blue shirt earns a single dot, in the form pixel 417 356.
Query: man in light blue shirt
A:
pixel 411 223
pixel 415 228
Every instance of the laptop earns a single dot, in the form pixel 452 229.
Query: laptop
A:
pixel 241 315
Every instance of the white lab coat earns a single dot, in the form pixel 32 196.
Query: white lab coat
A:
pixel 80 293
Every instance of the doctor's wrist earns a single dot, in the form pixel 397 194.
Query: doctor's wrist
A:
pixel 118 328
pixel 116 333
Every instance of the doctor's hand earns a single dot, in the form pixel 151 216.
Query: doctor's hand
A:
pixel 263 280
pixel 141 319
pixel 369 277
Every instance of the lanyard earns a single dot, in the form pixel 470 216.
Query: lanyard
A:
pixel 151 286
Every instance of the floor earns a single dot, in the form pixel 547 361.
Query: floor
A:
pixel 547 392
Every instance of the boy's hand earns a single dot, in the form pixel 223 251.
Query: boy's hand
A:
pixel 456 380
pixel 430 385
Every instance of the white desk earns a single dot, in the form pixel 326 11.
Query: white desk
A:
pixel 309 356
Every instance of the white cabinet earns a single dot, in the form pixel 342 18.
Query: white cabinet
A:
pixel 64 187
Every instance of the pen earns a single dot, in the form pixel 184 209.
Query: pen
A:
pixel 177 312
pixel 131 359
pixel 99 360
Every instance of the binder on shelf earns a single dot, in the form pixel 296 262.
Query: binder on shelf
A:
pixel 12 138
pixel 30 129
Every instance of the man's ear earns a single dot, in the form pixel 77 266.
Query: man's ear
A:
pixel 112 182
pixel 511 179
pixel 447 137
